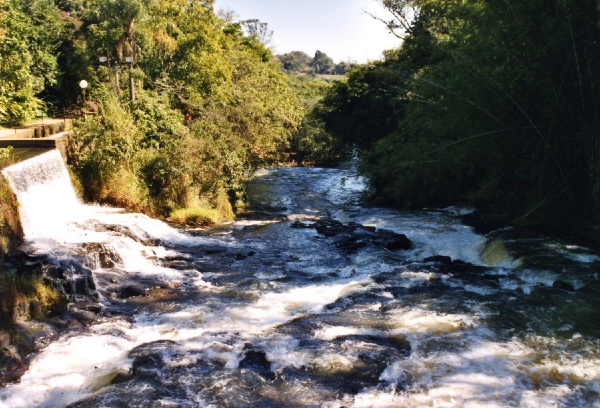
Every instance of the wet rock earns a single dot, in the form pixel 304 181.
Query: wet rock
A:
pixel 445 264
pixel 148 358
pixel 562 285
pixel 56 272
pixel 78 280
pixel 300 225
pixel 4 340
pixel 179 265
pixel 102 256
pixel 133 393
pixel 129 292
pixel 256 360
pixel 126 231
pixel 353 236
pixel 391 240
pixel 444 260
pixel 243 254
pixel 16 347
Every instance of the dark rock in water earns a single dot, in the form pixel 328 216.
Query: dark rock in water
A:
pixel 256 360
pixel 78 280
pixel 13 355
pixel 243 254
pixel 562 285
pixel 445 260
pixel 391 240
pixel 103 255
pixel 351 242
pixel 300 224
pixel 150 382
pixel 130 291
pixel 464 269
pixel 178 264
pixel 353 236
pixel 148 359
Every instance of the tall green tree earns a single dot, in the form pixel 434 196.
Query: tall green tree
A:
pixel 28 56
pixel 210 105
pixel 322 63
pixel 494 104
pixel 295 61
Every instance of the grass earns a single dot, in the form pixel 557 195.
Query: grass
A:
pixel 10 224
pixel 34 288
pixel 196 216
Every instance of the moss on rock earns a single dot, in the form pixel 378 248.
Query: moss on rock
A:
pixel 11 233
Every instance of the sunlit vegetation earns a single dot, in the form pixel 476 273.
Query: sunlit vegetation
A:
pixel 184 104
pixel 10 226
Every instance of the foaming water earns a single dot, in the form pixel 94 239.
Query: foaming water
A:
pixel 257 313
pixel 35 181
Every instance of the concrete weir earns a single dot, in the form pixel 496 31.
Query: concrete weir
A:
pixel 29 140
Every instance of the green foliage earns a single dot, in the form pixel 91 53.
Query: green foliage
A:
pixel 196 216
pixel 295 61
pixel 155 118
pixel 209 103
pixel 311 143
pixel 11 233
pixel 321 63
pixel 209 106
pixel 104 151
pixel 28 56
pixel 487 103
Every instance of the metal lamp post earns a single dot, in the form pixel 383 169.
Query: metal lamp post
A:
pixel 118 85
pixel 129 60
pixel 83 84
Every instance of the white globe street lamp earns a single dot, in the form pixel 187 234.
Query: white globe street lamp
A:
pixel 83 84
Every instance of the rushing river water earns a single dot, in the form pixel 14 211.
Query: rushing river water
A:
pixel 270 312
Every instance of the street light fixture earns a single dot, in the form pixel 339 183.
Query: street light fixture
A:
pixel 83 84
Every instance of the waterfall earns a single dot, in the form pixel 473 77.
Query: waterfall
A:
pixel 47 200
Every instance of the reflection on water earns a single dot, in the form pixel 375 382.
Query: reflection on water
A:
pixel 260 314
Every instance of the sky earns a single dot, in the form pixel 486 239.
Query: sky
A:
pixel 339 28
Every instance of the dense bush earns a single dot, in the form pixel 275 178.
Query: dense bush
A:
pixel 209 107
pixel 487 103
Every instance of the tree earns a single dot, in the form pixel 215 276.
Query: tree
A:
pixel 494 104
pixel 321 63
pixel 255 28
pixel 342 68
pixel 211 105
pixel 295 61
pixel 28 60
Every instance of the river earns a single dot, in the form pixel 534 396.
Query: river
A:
pixel 271 311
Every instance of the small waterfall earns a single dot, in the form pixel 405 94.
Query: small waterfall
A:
pixel 46 196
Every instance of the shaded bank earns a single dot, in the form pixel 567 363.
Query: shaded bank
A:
pixel 11 234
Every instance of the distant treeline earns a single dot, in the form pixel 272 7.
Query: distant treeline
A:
pixel 488 103
pixel 321 63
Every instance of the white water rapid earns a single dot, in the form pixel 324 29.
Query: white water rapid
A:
pixel 269 312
